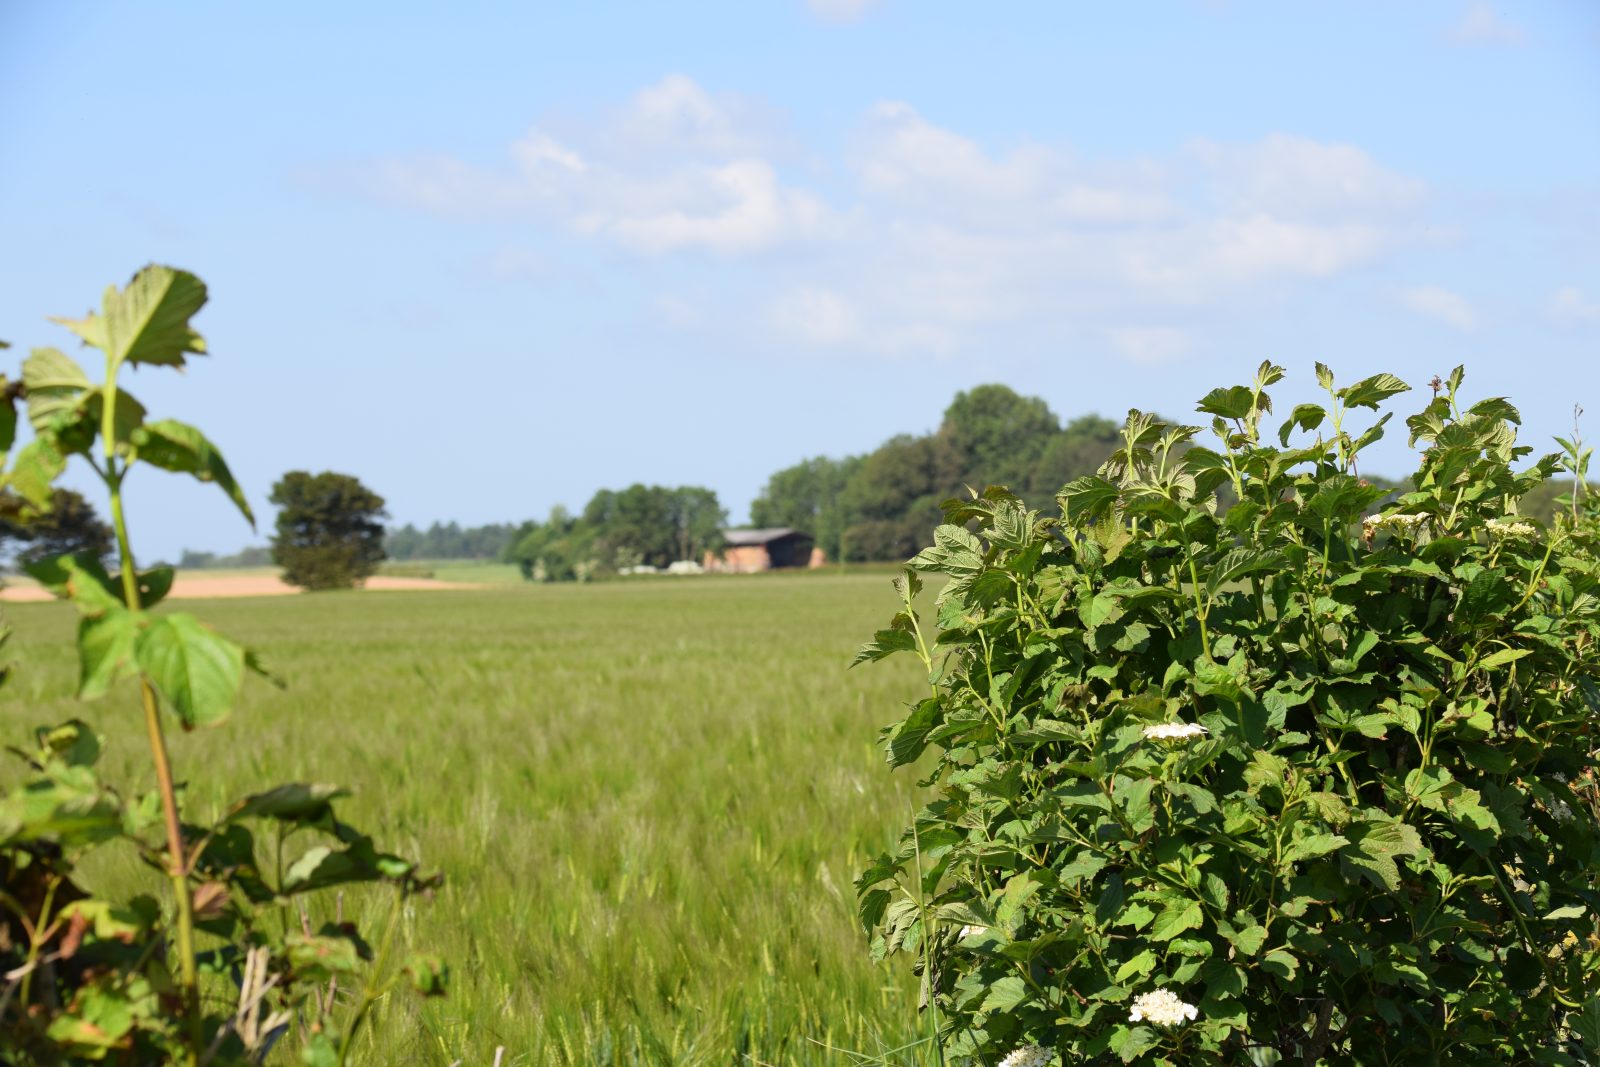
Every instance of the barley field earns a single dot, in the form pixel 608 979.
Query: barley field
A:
pixel 648 800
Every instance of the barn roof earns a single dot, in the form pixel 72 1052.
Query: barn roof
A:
pixel 763 536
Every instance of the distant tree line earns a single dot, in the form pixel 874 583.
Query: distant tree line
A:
pixel 884 504
pixel 449 540
pixel 254 556
pixel 877 506
pixel 642 525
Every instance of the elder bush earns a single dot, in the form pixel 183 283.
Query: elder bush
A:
pixel 1281 781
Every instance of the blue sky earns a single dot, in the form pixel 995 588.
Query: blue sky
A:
pixel 492 258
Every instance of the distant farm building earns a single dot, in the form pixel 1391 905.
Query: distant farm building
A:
pixel 752 551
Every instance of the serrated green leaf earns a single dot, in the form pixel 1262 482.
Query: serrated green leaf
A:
pixel 148 322
pixel 196 670
pixel 37 466
pixel 179 447
pixel 55 383
pixel 105 650
pixel 1176 917
pixel 1370 392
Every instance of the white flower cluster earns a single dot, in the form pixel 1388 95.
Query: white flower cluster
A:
pixel 1027 1056
pixel 1511 529
pixel 1163 1008
pixel 1174 731
pixel 1405 521
pixel 1561 811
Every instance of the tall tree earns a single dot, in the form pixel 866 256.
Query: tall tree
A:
pixel 808 497
pixel 999 433
pixel 329 530
pixel 70 527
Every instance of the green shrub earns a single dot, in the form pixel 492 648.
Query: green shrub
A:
pixel 228 962
pixel 1288 782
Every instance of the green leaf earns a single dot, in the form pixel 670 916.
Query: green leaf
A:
pixel 1314 845
pixel 291 802
pixel 1087 499
pixel 1280 963
pixel 1585 1022
pixel 1304 416
pixel 1138 1041
pixel 1233 402
pixel 429 975
pixel 1377 844
pixel 1370 392
pixel 105 650
pixel 55 383
pixel 320 1051
pixel 1503 657
pixel 1178 916
pixel 81 579
pixel 195 669
pixel 148 322
pixel 179 447
pixel 37 467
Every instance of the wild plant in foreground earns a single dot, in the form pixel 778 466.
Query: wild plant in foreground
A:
pixel 137 980
pixel 1232 770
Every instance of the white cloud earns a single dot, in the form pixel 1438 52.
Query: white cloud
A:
pixel 818 315
pixel 1481 25
pixel 925 239
pixel 841 10
pixel 1568 304
pixel 1283 174
pixel 675 169
pixel 1441 304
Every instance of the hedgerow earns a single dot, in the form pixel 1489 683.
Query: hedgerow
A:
pixel 1241 759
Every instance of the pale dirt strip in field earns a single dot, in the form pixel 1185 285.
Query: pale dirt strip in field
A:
pixel 201 588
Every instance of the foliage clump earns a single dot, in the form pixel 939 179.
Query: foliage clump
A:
pixel 1306 779
pixel 227 961
pixel 329 534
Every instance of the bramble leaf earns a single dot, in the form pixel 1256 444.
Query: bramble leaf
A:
pixel 147 322
pixel 178 447
pixel 195 669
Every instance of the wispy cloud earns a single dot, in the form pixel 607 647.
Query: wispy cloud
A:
pixel 1481 25
pixel 922 238
pixel 1568 304
pixel 1442 305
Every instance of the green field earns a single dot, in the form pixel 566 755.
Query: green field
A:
pixel 648 798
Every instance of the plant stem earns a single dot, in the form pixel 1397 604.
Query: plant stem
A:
pixel 177 866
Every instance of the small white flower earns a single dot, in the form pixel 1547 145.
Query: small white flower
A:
pixel 1163 1008
pixel 1511 529
pixel 1559 777
pixel 1174 731
pixel 1027 1056
pixel 1561 811
pixel 971 930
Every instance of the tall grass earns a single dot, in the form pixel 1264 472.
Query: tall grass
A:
pixel 648 799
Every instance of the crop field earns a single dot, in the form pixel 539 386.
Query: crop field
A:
pixel 648 799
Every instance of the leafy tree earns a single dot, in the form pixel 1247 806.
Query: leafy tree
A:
pixel 1287 783
pixel 328 533
pixel 999 434
pixel 68 526
pixel 807 496
pixel 1077 450
pixel 893 497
